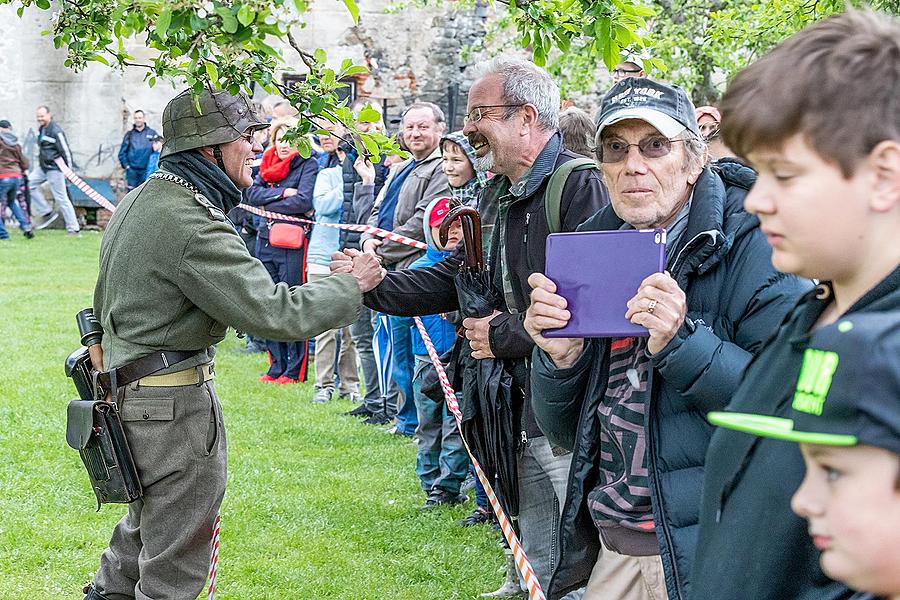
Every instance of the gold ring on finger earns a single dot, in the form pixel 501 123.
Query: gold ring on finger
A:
pixel 651 307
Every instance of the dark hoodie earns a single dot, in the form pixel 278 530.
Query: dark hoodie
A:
pixel 750 480
pixel 12 162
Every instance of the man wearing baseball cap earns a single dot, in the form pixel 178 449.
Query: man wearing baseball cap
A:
pixel 845 413
pixel 633 409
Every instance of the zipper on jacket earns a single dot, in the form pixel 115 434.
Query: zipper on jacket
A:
pixel 525 237
pixel 711 233
pixel 657 510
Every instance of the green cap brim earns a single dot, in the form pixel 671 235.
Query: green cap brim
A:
pixel 777 428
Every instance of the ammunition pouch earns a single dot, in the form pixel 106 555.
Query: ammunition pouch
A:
pixel 93 426
pixel 94 429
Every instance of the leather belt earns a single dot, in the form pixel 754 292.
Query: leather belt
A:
pixel 193 376
pixel 142 367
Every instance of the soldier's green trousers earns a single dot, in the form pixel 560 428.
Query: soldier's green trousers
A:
pixel 160 550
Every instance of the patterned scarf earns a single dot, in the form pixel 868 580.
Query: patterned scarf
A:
pixel 274 168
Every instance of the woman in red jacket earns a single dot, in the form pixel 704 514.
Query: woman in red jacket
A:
pixel 284 185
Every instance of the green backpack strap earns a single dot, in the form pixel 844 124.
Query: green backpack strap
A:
pixel 553 195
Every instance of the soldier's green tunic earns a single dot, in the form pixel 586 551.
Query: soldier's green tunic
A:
pixel 174 274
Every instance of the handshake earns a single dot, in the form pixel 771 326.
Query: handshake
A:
pixel 364 266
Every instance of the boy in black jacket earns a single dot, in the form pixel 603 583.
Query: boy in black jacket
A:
pixel 828 199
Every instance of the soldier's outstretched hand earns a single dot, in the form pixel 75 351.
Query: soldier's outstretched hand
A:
pixel 341 262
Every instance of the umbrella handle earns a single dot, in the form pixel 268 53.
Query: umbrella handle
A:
pixel 470 219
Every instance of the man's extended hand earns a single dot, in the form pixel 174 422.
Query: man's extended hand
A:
pixel 368 271
pixel 660 306
pixel 548 311
pixel 477 334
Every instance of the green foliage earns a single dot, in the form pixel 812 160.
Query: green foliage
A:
pixel 217 44
pixel 705 44
pixel 596 30
pixel 698 45
pixel 319 506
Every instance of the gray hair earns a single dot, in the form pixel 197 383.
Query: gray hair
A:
pixel 695 156
pixel 435 110
pixel 526 83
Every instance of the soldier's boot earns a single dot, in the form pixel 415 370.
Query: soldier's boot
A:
pixel 91 593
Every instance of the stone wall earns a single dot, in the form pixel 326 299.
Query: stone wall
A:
pixel 413 55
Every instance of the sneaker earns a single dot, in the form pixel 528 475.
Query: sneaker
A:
pixel 468 483
pixel 29 235
pixel 323 394
pixel 479 516
pixel 359 411
pixel 353 397
pixel 378 418
pixel 268 378
pixel 439 497
pixel 47 220
pixel 73 234
pixel 285 380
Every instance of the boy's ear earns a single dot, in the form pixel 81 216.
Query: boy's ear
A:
pixel 884 160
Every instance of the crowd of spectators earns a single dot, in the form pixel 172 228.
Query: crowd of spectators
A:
pixel 623 489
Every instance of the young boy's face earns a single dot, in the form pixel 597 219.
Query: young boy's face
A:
pixel 454 235
pixel 456 165
pixel 813 217
pixel 851 500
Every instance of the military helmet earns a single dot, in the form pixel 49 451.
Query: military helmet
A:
pixel 222 118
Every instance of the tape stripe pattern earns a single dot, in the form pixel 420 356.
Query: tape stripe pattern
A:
pixel 535 592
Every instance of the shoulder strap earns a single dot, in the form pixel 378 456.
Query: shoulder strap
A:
pixel 553 195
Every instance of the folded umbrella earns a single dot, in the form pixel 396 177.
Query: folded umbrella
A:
pixel 487 404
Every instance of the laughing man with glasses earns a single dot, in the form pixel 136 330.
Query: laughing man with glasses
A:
pixel 633 535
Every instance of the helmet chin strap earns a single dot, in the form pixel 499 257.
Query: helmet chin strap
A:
pixel 217 154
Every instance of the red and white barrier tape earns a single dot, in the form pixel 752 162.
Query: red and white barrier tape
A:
pixel 535 592
pixel 82 185
pixel 97 197
pixel 388 235
pixel 214 561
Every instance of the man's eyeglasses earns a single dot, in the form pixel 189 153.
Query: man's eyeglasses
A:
pixel 622 72
pixel 656 146
pixel 248 137
pixel 477 113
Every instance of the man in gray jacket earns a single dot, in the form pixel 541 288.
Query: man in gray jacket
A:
pixel 400 208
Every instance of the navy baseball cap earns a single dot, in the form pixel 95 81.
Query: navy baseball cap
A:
pixel 665 106
pixel 848 390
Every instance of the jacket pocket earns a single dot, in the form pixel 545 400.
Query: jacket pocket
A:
pixel 148 409
pixel 203 428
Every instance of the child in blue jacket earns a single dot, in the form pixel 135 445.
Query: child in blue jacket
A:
pixel 442 462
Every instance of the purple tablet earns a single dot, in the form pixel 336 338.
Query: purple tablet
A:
pixel 598 272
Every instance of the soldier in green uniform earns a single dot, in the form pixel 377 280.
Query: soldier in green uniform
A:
pixel 174 274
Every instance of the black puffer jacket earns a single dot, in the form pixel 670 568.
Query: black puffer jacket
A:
pixel 349 214
pixel 736 299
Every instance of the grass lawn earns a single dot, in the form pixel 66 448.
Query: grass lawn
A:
pixel 318 505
